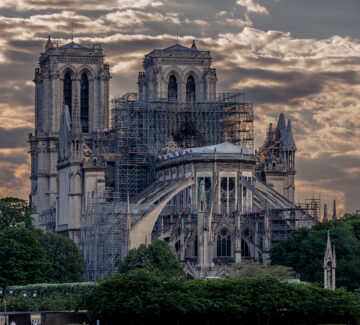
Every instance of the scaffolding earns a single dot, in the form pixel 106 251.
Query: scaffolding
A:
pixel 145 130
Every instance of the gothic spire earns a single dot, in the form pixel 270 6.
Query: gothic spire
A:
pixel 193 46
pixel 334 211
pixel 48 44
pixel 281 126
pixel 289 135
pixel 329 264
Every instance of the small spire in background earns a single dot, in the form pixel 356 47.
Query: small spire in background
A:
pixel 334 211
pixel 48 44
pixel 193 46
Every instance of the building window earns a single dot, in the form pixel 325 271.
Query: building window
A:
pixel 84 115
pixel 172 89
pixel 67 91
pixel 227 194
pixel 224 244
pixel 190 90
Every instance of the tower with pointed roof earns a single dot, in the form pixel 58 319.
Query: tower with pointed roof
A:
pixel 329 265
pixel 177 74
pixel 75 76
pixel 277 159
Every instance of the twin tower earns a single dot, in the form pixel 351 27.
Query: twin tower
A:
pixel 72 104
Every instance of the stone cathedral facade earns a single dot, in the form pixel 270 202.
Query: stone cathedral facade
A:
pixel 180 153
pixel 75 77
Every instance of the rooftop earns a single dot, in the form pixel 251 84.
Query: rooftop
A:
pixel 177 47
pixel 73 45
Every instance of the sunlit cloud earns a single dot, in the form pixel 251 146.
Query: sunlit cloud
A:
pixel 252 6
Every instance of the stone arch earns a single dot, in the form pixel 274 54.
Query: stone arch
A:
pixel 196 74
pixel 141 231
pixel 68 69
pixel 88 70
pixel 176 72
pixel 67 89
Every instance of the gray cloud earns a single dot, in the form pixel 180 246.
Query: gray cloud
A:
pixel 14 137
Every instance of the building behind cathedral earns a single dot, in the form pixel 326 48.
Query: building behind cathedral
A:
pixel 178 163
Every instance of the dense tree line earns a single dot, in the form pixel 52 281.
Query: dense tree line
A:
pixel 304 251
pixel 142 297
pixel 29 255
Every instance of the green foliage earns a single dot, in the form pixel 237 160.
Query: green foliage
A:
pixel 47 289
pixel 156 257
pixel 28 255
pixel 64 256
pixel 140 296
pixel 22 258
pixel 14 212
pixel 250 269
pixel 304 251
pixel 51 297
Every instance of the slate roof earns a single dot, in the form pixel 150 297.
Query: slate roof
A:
pixel 73 45
pixel 177 47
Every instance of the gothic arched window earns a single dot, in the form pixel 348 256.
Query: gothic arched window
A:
pixel 223 244
pixel 190 89
pixel 172 89
pixel 67 91
pixel 84 116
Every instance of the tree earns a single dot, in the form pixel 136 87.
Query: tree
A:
pixel 14 212
pixel 250 269
pixel 304 251
pixel 157 257
pixel 64 256
pixel 22 258
pixel 142 297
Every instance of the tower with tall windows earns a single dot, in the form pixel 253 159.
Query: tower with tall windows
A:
pixel 72 76
pixel 178 74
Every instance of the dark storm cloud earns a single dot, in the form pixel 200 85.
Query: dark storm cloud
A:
pixel 286 93
pixel 14 137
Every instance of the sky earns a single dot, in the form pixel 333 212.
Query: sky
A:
pixel 297 57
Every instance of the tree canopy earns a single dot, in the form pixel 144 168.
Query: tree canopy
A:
pixel 250 269
pixel 64 256
pixel 22 258
pixel 156 257
pixel 142 297
pixel 29 255
pixel 14 212
pixel 304 251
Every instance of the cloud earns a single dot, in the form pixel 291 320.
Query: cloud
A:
pixel 25 5
pixel 252 6
pixel 315 81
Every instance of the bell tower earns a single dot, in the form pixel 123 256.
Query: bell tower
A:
pixel 76 76
pixel 178 74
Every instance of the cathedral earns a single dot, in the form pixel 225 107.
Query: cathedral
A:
pixel 177 162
